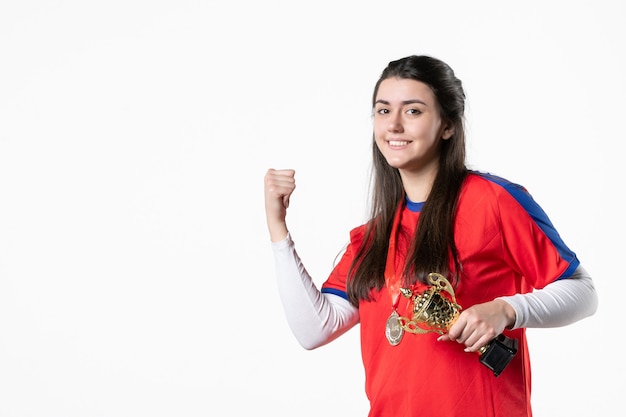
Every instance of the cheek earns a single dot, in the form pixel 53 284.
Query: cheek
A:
pixel 379 132
pixel 378 124
pixel 378 143
pixel 378 140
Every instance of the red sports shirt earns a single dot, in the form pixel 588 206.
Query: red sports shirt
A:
pixel 507 245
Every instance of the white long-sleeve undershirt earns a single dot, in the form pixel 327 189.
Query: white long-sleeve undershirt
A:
pixel 558 304
pixel 317 318
pixel 314 318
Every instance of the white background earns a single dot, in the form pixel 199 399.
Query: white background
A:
pixel 136 276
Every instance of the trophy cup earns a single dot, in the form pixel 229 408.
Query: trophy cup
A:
pixel 434 311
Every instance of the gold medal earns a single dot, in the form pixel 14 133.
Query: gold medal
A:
pixel 393 329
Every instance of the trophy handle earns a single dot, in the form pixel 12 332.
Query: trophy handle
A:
pixel 441 282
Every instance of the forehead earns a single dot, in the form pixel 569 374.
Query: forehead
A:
pixel 400 90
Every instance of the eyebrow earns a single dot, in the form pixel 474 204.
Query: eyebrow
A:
pixel 404 103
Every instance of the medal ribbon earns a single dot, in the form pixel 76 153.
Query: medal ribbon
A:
pixel 392 280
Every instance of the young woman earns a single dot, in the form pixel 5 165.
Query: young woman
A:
pixel 504 264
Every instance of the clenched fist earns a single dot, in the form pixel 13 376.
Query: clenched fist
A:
pixel 279 185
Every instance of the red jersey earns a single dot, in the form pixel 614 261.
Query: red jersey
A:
pixel 507 245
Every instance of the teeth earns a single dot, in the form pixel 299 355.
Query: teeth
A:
pixel 398 142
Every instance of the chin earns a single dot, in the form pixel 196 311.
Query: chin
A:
pixel 395 164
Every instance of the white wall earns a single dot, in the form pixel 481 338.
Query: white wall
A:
pixel 136 276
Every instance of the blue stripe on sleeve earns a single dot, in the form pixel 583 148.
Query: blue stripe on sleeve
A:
pixel 523 197
pixel 339 293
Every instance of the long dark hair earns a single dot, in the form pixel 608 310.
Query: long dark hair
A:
pixel 433 244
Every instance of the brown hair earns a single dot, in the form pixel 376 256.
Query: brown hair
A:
pixel 433 244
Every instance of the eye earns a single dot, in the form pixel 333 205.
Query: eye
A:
pixel 414 111
pixel 382 110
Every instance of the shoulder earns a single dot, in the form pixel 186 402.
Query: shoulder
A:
pixel 486 181
pixel 358 234
pixel 484 186
pixel 502 197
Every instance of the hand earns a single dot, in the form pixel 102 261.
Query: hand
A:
pixel 480 324
pixel 279 185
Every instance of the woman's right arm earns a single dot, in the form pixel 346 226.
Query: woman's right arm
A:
pixel 314 318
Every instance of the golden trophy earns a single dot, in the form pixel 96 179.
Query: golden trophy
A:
pixel 436 309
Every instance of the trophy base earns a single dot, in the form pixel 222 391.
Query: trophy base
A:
pixel 498 353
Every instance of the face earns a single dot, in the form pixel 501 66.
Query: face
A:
pixel 407 125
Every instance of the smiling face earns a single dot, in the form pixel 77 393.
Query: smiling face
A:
pixel 407 126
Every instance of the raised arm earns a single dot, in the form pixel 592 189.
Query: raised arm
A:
pixel 314 318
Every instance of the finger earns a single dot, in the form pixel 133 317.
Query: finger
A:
pixel 477 344
pixel 281 173
pixel 455 333
pixel 285 172
pixel 284 177
pixel 279 183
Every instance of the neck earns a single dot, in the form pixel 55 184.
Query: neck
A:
pixel 417 185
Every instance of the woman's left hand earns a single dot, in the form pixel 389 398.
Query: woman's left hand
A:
pixel 480 324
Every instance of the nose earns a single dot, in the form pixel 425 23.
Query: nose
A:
pixel 395 123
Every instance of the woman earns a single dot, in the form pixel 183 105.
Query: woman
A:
pixel 503 263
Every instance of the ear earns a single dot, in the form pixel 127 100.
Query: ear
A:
pixel 448 131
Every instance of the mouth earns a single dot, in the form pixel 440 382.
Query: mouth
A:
pixel 398 143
